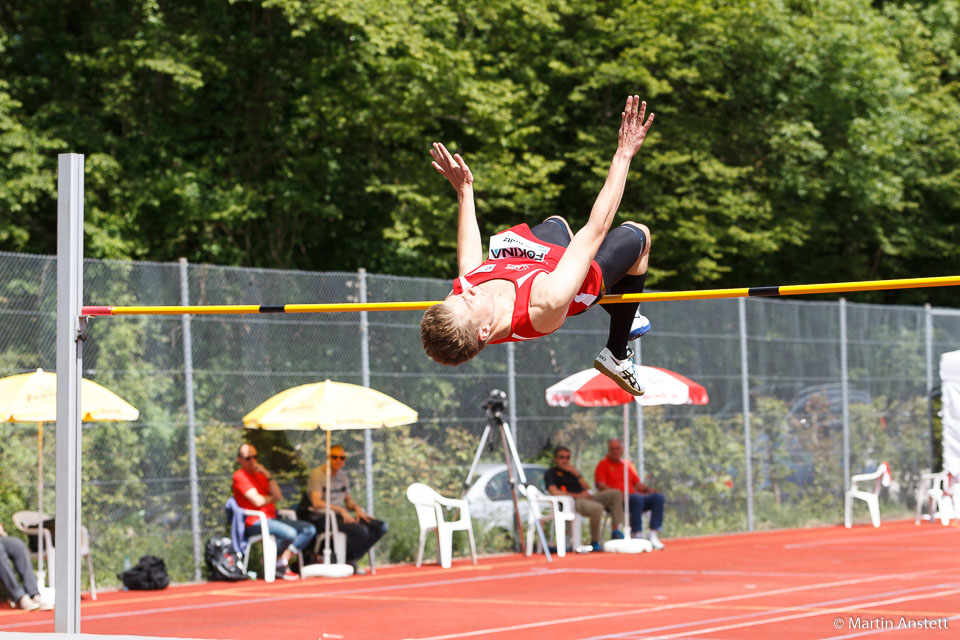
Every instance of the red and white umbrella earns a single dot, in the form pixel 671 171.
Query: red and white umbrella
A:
pixel 590 388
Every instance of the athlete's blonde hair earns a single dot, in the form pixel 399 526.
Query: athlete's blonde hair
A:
pixel 448 339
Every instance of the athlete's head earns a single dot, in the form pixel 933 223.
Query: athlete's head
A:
pixel 450 333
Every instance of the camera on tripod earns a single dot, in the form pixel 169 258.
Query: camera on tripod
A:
pixel 495 404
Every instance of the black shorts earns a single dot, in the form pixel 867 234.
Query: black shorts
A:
pixel 617 253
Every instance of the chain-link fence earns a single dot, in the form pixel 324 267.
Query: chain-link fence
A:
pixel 136 483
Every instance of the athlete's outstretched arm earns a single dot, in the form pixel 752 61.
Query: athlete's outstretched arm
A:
pixel 455 169
pixel 566 279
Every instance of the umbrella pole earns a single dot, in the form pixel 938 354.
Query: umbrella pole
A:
pixel 627 531
pixel 40 574
pixel 628 544
pixel 328 516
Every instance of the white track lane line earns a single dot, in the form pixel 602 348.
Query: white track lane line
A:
pixel 825 607
pixel 798 616
pixel 868 538
pixel 284 597
pixel 640 611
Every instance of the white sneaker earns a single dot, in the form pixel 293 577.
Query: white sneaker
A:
pixel 42 603
pixel 641 325
pixel 27 603
pixel 655 541
pixel 620 371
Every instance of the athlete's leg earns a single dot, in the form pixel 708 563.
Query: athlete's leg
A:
pixel 554 230
pixel 623 257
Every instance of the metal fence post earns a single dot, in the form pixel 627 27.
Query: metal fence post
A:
pixel 745 399
pixel 191 418
pixel 365 379
pixel 928 343
pixel 70 338
pixel 512 389
pixel 845 394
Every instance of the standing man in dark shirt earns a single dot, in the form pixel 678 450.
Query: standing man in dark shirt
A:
pixel 563 479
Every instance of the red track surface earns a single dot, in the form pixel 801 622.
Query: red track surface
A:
pixel 810 583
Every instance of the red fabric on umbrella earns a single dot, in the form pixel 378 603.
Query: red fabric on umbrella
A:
pixel 590 388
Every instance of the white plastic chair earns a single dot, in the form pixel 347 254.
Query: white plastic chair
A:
pixel 269 544
pixel 29 522
pixel 561 512
pixel 934 491
pixel 430 514
pixel 338 542
pixel 880 477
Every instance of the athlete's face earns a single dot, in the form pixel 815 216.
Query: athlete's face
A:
pixel 473 304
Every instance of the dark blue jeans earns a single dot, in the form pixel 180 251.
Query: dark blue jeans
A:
pixel 640 502
pixel 294 533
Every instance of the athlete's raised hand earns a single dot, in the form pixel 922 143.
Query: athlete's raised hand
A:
pixel 451 167
pixel 633 129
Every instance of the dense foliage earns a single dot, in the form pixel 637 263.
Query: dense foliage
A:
pixel 795 141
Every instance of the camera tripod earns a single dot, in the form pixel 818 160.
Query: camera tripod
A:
pixel 495 405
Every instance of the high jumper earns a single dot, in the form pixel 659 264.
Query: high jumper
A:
pixel 534 279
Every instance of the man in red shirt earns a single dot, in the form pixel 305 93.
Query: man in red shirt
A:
pixel 535 278
pixel 254 488
pixel 609 475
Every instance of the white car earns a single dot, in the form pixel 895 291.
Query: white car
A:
pixel 491 503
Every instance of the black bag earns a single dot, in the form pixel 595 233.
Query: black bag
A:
pixel 223 563
pixel 148 574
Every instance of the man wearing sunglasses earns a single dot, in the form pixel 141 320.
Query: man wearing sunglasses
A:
pixel 362 529
pixel 254 488
pixel 563 479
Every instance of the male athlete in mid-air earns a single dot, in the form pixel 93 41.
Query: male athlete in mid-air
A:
pixel 533 279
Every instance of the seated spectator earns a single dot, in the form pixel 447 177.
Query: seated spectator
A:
pixel 609 475
pixel 362 530
pixel 254 488
pixel 14 562
pixel 563 479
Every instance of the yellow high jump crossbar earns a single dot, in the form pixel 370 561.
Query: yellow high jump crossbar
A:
pixel 703 294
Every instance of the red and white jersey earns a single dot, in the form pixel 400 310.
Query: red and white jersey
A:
pixel 519 256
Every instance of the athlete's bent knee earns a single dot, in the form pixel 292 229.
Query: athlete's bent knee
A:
pixel 642 229
pixel 562 221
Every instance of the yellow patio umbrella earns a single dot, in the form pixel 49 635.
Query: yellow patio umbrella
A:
pixel 330 406
pixel 32 397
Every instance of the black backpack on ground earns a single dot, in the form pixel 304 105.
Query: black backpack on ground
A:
pixel 223 563
pixel 148 574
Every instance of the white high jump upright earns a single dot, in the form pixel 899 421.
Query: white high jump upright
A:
pixel 70 335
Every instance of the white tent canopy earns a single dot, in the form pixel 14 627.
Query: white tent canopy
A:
pixel 950 385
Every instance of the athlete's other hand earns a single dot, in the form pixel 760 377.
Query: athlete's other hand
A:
pixel 451 167
pixel 633 130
